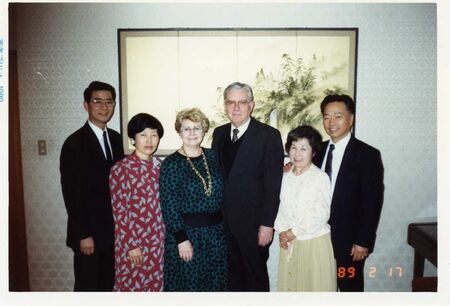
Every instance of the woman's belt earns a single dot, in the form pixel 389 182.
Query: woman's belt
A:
pixel 201 220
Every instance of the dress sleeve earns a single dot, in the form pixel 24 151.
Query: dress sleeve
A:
pixel 124 217
pixel 170 186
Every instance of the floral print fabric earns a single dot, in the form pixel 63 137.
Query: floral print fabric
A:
pixel 134 185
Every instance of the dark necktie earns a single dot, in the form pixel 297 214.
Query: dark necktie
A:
pixel 107 149
pixel 235 133
pixel 328 165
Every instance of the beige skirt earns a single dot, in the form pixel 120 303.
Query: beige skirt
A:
pixel 307 265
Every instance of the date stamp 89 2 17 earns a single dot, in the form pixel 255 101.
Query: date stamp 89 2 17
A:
pixel 372 272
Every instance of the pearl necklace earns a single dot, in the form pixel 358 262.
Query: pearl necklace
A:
pixel 206 187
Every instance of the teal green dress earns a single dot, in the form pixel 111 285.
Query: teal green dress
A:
pixel 189 214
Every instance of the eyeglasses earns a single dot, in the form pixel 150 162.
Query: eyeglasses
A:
pixel 188 130
pixel 100 102
pixel 239 103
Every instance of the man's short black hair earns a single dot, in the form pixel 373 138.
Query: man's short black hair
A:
pixel 97 86
pixel 347 100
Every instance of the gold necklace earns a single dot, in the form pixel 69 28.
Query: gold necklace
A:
pixel 206 187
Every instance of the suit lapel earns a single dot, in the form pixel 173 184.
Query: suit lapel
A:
pixel 241 154
pixel 221 142
pixel 93 144
pixel 318 160
pixel 116 146
pixel 346 165
pixel 348 156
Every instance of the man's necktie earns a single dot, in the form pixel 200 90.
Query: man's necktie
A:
pixel 328 165
pixel 107 149
pixel 235 133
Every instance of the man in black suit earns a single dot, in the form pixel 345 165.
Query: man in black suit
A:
pixel 250 155
pixel 356 173
pixel 86 158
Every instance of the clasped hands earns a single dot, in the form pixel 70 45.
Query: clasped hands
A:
pixel 286 237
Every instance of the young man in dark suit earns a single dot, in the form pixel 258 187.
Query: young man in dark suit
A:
pixel 86 158
pixel 250 155
pixel 356 173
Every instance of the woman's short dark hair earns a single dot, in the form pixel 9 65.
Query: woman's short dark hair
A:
pixel 142 121
pixel 97 86
pixel 347 100
pixel 305 131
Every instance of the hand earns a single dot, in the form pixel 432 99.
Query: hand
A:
pixel 359 252
pixel 284 242
pixel 285 238
pixel 135 256
pixel 185 250
pixel 287 167
pixel 290 235
pixel 265 235
pixel 87 246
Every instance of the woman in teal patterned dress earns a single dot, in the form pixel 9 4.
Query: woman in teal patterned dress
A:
pixel 195 257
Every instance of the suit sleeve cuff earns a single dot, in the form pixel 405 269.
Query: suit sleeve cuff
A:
pixel 180 236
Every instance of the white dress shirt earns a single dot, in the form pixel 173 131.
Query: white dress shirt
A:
pixel 99 133
pixel 241 129
pixel 338 154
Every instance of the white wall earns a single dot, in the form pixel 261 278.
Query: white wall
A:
pixel 63 47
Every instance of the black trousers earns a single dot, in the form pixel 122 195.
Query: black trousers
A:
pixel 350 275
pixel 247 264
pixel 94 272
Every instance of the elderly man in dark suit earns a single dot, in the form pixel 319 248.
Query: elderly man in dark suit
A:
pixel 356 173
pixel 86 158
pixel 250 155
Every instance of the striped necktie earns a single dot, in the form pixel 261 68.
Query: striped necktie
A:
pixel 328 165
pixel 107 149
pixel 235 133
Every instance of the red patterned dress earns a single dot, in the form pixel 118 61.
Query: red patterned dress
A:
pixel 134 185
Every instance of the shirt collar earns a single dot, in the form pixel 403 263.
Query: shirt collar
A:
pixel 341 143
pixel 241 129
pixel 98 131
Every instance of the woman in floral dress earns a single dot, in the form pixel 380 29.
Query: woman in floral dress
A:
pixel 139 228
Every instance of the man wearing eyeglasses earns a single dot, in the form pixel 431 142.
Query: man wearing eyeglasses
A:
pixel 250 154
pixel 86 158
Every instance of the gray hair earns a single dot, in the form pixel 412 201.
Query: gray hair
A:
pixel 238 85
